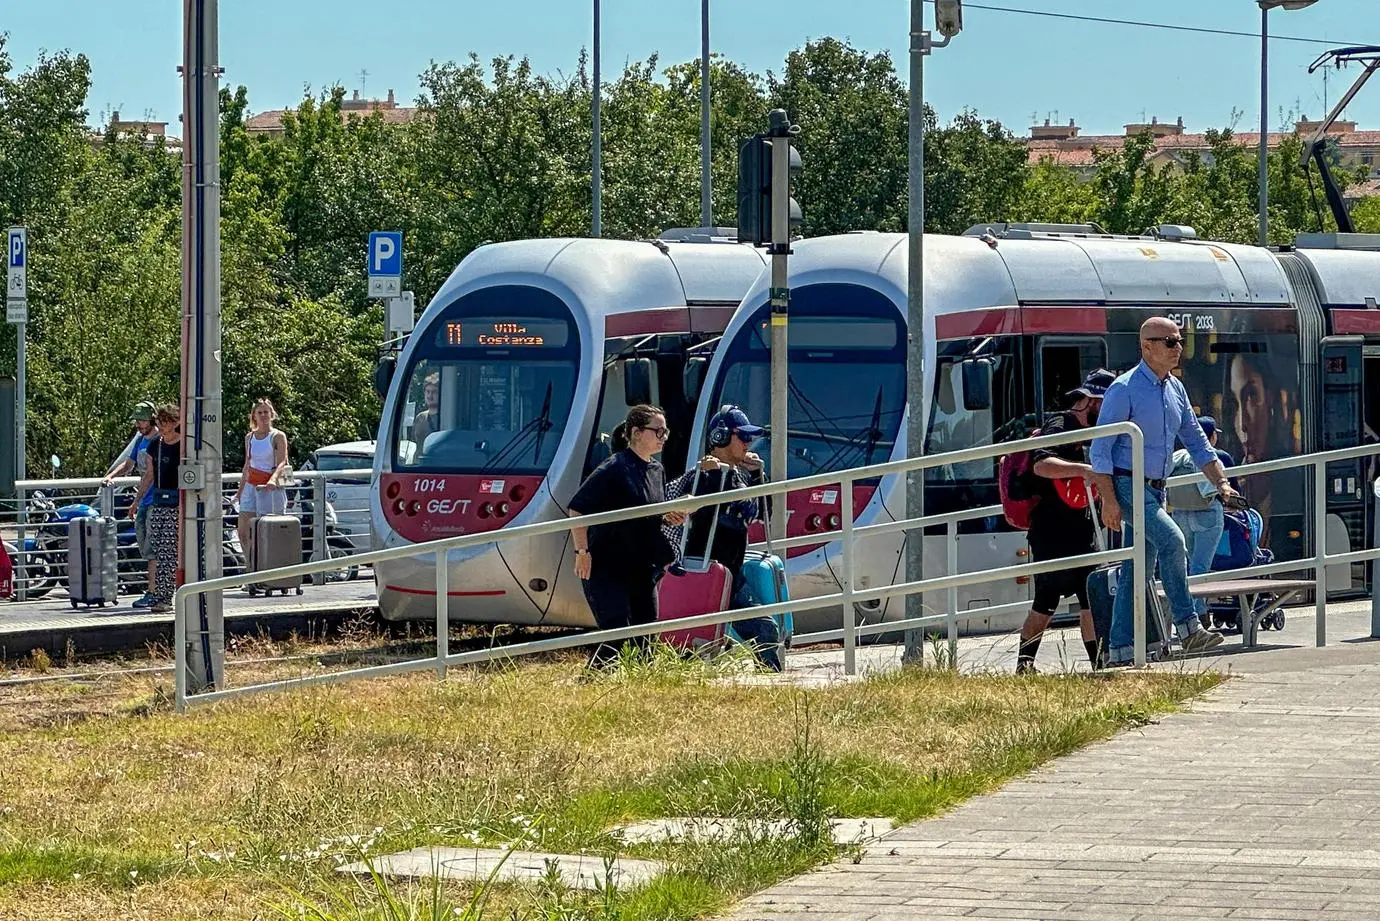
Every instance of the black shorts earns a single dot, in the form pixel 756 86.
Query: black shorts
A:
pixel 1052 587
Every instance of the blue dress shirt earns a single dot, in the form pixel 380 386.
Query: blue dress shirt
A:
pixel 1161 410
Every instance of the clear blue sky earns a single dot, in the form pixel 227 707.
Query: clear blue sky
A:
pixel 1004 65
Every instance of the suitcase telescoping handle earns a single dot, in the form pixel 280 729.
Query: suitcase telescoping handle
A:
pixel 1096 519
pixel 700 564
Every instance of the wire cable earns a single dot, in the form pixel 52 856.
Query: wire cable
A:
pixel 1201 30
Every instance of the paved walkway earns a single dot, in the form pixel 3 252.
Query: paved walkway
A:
pixel 1261 801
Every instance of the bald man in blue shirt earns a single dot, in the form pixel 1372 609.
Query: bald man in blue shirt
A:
pixel 1156 401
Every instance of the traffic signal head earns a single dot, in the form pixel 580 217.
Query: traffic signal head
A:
pixel 755 185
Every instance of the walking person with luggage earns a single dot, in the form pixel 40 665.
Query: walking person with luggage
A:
pixel 619 564
pixel 1061 523
pixel 160 486
pixel 729 465
pixel 137 459
pixel 1197 510
pixel 265 463
pixel 1150 396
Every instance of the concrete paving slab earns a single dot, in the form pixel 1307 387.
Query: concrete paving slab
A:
pixel 846 831
pixel 577 871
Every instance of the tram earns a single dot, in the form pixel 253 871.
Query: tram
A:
pixel 1283 349
pixel 504 396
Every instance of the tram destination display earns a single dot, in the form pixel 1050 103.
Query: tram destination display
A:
pixel 503 333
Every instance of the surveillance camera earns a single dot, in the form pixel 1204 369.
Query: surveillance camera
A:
pixel 948 17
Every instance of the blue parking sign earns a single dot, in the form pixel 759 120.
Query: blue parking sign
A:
pixel 385 263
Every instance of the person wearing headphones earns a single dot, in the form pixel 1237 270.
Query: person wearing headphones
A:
pixel 729 465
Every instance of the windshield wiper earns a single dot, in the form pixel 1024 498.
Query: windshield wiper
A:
pixel 538 426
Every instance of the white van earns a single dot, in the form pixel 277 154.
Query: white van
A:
pixel 348 496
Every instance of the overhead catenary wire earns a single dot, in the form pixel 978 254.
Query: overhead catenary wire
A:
pixel 1143 24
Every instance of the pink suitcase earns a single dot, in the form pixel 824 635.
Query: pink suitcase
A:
pixel 705 588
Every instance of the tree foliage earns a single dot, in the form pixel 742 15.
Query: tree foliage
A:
pixel 495 152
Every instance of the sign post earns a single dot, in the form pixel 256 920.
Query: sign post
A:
pixel 17 312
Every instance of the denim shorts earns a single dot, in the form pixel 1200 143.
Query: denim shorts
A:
pixel 263 500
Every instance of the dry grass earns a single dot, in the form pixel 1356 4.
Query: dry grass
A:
pixel 115 808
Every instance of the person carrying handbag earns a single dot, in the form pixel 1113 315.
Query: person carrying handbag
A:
pixel 161 484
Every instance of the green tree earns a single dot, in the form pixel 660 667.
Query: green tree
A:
pixel 975 171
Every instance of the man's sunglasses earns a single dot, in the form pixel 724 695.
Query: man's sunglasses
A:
pixel 1170 342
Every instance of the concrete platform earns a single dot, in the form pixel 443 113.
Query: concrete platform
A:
pixel 479 864
pixel 51 623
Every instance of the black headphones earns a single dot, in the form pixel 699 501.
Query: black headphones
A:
pixel 720 435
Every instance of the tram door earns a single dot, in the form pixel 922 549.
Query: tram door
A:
pixel 1349 491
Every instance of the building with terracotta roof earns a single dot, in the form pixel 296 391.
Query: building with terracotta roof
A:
pixel 270 123
pixel 1065 145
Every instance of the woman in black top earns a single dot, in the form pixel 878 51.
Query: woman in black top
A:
pixel 165 453
pixel 620 563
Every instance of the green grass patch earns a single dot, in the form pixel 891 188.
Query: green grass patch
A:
pixel 248 807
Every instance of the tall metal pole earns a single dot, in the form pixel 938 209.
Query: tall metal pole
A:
pixel 596 172
pixel 1264 126
pixel 706 179
pixel 20 412
pixel 780 304
pixel 202 412
pixel 915 324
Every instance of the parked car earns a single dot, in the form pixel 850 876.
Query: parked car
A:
pixel 349 496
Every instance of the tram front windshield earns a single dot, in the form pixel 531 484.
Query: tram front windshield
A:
pixel 847 383
pixel 489 392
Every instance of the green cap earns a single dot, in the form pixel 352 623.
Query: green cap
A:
pixel 143 412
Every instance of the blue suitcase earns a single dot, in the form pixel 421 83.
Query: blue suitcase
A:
pixel 765 575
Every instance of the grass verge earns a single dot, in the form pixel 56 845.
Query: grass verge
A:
pixel 245 809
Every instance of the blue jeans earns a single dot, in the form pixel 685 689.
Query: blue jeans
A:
pixel 1164 542
pixel 760 633
pixel 1202 532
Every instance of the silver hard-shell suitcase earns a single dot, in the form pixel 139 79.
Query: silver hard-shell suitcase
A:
pixel 92 562
pixel 277 543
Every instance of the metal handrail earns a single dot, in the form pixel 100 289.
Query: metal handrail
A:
pixel 848 597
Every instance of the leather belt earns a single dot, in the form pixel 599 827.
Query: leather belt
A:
pixel 1152 483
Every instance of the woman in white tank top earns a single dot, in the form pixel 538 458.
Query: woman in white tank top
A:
pixel 265 462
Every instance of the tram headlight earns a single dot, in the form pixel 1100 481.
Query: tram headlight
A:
pixel 835 522
pixel 502 510
pixel 485 510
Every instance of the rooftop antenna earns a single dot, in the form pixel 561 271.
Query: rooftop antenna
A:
pixel 363 82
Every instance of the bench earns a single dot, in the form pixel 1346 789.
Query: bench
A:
pixel 1247 593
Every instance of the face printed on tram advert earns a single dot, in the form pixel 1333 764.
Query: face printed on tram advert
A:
pixel 1242 368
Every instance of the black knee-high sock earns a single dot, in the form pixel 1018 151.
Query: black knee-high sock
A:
pixel 1028 649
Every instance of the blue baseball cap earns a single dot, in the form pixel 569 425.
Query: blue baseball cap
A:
pixel 736 421
pixel 1209 425
pixel 1094 386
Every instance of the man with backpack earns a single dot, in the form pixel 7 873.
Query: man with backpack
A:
pixel 1061 519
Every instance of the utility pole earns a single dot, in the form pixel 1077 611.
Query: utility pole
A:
pixel 949 16
pixel 706 177
pixel 780 295
pixel 597 144
pixel 202 412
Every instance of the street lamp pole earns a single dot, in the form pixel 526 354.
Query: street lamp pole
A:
pixel 1265 7
pixel 597 143
pixel 1264 125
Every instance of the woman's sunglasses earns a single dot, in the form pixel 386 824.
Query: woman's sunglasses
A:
pixel 660 432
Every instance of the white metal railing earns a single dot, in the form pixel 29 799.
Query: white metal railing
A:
pixel 848 598
pixel 331 528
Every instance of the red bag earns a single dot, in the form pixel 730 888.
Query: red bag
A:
pixel 701 586
pixel 1018 500
pixel 6 572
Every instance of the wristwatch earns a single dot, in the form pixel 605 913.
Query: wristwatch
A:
pixel 579 552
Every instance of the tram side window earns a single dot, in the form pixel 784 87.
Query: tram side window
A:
pixel 613 408
pixel 1063 367
pixel 952 428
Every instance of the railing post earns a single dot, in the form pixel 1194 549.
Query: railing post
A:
pixel 1319 552
pixel 442 613
pixel 1140 579
pixel 850 625
pixel 179 651
pixel 951 561
pixel 318 524
pixel 22 563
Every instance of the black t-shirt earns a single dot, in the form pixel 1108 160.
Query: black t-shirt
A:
pixel 1056 529
pixel 164 458
pixel 637 545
